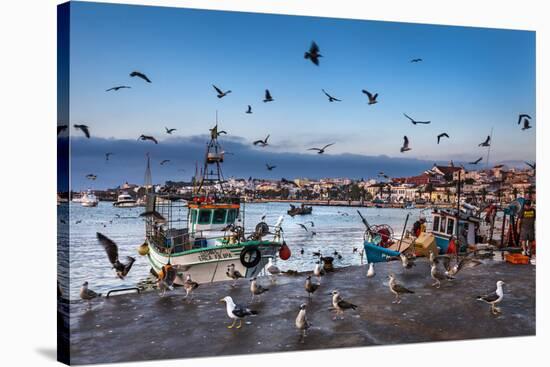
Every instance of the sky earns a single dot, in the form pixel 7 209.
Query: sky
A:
pixel 471 81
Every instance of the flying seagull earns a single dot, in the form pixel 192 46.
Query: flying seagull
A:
pixel 311 223
pixel 189 286
pixel 270 168
pixel 310 286
pixel 117 88
pixel 169 131
pixel 164 162
pixel 464 263
pixel 221 93
pixel 321 150
pixel 438 276
pixel 486 143
pixel 340 305
pixel 249 110
pixel 233 274
pixel 262 143
pixel 236 312
pixel 416 60
pixel 256 289
pixel 148 137
pixel 331 98
pixel 526 125
pixel 397 289
pixel 372 97
pixel 313 53
pixel 405 146
pixel 523 116
pixel 441 136
pixel 91 176
pixel 85 129
pixel 476 161
pixel 140 75
pixel 302 322
pixel 494 298
pixel 87 294
pixel 533 165
pixel 111 248
pixel 214 132
pixel 268 97
pixel 415 121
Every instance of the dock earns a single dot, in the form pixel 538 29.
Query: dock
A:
pixel 135 327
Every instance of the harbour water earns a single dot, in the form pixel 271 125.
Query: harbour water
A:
pixel 337 229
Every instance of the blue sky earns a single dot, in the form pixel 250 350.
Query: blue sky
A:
pixel 471 80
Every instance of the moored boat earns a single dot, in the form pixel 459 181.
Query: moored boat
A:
pixel 125 200
pixel 209 237
pixel 88 199
pixel 301 210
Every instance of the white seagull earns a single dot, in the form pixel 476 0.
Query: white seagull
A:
pixel 236 312
pixel 494 298
pixel 302 323
pixel 272 269
pixel 318 271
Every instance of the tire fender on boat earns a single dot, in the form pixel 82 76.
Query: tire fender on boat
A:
pixel 250 256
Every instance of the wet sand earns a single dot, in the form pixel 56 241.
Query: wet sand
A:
pixel 134 327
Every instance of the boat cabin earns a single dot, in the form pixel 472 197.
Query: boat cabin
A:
pixel 211 217
pixel 444 227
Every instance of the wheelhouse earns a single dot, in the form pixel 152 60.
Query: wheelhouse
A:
pixel 444 228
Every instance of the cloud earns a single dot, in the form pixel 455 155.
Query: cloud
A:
pixel 243 160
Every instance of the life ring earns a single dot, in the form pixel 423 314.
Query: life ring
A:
pixel 250 256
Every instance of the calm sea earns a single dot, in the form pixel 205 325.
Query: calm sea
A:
pixel 337 229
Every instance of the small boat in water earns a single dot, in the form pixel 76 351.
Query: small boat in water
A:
pixel 301 210
pixel 88 199
pixel 124 200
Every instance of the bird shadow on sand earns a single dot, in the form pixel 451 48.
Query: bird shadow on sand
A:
pixel 49 353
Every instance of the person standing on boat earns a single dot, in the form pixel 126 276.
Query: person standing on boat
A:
pixel 527 218
pixel 419 226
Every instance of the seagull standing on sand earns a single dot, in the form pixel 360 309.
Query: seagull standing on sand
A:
pixel 340 305
pixel 236 312
pixel 302 322
pixel 111 248
pixel 406 262
pixel 397 289
pixel 494 298
pixel 318 271
pixel 88 294
pixel 256 289
pixel 438 276
pixel 233 274
pixel 189 286
pixel 272 269
pixel 370 272
pixel 310 286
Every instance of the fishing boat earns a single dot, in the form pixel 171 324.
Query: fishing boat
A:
pixel 88 199
pixel 444 228
pixel 204 235
pixel 380 244
pixel 125 200
pixel 301 210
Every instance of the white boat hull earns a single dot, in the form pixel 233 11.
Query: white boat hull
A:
pixel 211 264
pixel 89 204
pixel 125 204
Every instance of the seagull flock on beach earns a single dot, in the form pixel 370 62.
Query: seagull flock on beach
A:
pixel 313 54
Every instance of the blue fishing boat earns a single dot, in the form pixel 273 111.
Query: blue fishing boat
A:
pixel 444 228
pixel 379 243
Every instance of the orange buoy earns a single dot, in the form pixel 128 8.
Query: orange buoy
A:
pixel 284 252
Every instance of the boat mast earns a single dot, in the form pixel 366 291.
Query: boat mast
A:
pixel 148 181
pixel 211 174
